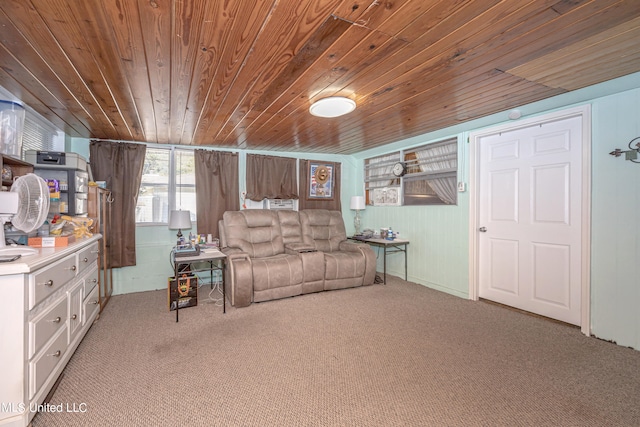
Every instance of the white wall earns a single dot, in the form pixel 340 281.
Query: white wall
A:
pixel 615 256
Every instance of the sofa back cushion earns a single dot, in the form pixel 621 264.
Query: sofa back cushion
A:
pixel 256 232
pixel 290 226
pixel 322 228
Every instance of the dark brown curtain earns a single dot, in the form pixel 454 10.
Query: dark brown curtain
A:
pixel 217 188
pixel 120 165
pixel 271 177
pixel 304 202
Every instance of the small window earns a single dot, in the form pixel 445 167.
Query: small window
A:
pixel 432 174
pixel 185 181
pixel 40 135
pixel 382 187
pixel 168 182
pixel 429 176
pixel 153 197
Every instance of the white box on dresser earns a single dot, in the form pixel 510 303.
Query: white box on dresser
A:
pixel 48 302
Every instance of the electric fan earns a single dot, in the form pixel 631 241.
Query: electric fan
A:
pixel 26 206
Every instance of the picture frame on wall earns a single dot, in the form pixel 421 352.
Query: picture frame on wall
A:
pixel 387 196
pixel 321 181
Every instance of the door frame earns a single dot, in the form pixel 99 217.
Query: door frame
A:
pixel 584 112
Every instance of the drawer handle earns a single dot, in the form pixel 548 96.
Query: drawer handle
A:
pixel 56 354
pixel 74 317
pixel 95 252
pixel 72 268
pixel 94 302
pixel 48 283
pixel 57 320
pixel 95 280
pixel 85 259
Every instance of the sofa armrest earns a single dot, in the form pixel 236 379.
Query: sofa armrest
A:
pixel 239 277
pixel 232 251
pixel 351 246
pixel 298 247
pixel 370 264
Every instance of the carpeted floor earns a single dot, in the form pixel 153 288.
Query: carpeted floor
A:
pixel 394 355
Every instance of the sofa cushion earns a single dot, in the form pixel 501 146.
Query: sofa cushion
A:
pixel 276 272
pixel 323 228
pixel 343 265
pixel 256 232
pixel 290 226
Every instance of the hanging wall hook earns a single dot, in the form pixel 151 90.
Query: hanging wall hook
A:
pixel 630 154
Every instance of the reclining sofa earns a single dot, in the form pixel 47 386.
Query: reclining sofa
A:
pixel 279 254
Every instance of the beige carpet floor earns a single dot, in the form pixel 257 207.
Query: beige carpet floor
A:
pixel 394 355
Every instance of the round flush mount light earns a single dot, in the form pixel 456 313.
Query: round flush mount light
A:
pixel 334 106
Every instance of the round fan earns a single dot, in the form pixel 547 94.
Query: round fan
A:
pixel 26 212
pixel 33 203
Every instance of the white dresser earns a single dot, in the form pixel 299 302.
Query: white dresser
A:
pixel 48 302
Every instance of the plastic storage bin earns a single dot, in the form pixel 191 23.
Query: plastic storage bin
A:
pixel 11 128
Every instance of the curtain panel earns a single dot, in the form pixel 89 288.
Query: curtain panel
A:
pixel 305 203
pixel 271 177
pixel 217 188
pixel 120 165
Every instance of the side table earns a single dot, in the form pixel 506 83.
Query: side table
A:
pixel 390 247
pixel 216 260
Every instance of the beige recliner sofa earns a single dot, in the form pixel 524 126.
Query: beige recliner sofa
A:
pixel 279 254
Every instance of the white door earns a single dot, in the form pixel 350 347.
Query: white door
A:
pixel 529 235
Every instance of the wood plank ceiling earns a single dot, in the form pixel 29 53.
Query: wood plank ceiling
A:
pixel 242 74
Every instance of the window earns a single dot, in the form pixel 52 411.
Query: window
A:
pixel 430 176
pixel 40 135
pixel 168 182
pixel 382 187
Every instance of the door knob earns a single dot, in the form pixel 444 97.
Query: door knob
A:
pixel 482 229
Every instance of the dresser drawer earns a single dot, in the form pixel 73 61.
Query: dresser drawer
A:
pixel 41 367
pixel 91 305
pixel 47 280
pixel 87 257
pixel 91 281
pixel 46 324
pixel 75 310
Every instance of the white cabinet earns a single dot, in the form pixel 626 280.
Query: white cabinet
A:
pixel 49 301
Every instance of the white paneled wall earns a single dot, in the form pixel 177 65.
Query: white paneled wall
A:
pixel 615 253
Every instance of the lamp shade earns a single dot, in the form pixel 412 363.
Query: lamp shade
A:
pixel 357 203
pixel 333 106
pixel 179 220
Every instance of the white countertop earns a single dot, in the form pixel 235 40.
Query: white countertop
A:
pixel 45 256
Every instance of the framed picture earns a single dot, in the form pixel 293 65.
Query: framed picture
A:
pixel 184 292
pixel 321 181
pixel 388 196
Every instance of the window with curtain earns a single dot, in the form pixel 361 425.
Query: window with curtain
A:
pixel 217 187
pixel 120 165
pixel 168 182
pixel 432 174
pixel 271 177
pixel 430 177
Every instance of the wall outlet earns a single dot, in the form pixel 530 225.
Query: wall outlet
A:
pixel 462 187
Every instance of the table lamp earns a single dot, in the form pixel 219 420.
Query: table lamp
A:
pixel 179 220
pixel 357 204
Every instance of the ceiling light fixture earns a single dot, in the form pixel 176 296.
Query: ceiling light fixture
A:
pixel 514 114
pixel 334 106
